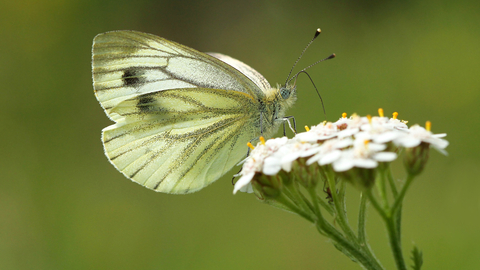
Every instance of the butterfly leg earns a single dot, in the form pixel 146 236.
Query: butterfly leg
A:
pixel 235 176
pixel 238 173
pixel 287 119
pixel 261 126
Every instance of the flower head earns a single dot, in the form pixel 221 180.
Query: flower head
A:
pixel 352 147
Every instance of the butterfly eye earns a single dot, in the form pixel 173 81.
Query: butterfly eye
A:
pixel 285 93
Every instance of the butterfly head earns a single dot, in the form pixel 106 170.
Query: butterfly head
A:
pixel 287 95
pixel 285 98
pixel 286 92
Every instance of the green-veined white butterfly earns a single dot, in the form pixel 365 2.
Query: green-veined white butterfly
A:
pixel 182 117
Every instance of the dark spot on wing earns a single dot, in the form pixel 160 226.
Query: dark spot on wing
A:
pixel 145 103
pixel 132 77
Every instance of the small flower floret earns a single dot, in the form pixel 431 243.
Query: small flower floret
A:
pixel 255 162
pixel 417 134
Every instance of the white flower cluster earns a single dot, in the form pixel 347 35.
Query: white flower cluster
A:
pixel 356 141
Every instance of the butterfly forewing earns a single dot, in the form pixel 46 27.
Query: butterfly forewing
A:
pixel 129 63
pixel 246 70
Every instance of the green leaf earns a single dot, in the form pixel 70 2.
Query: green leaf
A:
pixel 417 258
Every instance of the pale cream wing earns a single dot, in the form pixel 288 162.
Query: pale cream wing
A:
pixel 128 63
pixel 179 141
pixel 245 69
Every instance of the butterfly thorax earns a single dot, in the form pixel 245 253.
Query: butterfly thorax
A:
pixel 275 104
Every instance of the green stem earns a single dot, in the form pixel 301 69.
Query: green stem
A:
pixel 364 259
pixel 325 205
pixel 395 218
pixel 376 205
pixel 362 233
pixel 341 196
pixel 398 201
pixel 391 181
pixel 381 187
pixel 394 234
pixel 340 211
pixel 395 244
pixel 398 215
pixel 292 192
pixel 287 203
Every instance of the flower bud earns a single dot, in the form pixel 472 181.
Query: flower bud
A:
pixel 361 178
pixel 416 157
pixel 267 186
pixel 306 175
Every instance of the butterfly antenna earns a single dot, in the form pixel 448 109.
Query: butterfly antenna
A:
pixel 319 61
pixel 314 86
pixel 317 33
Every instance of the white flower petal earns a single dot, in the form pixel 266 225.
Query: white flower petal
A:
pixel 385 156
pixel 347 132
pixel 441 150
pixel 408 142
pixel 365 163
pixel 248 188
pixel 330 157
pixel 287 166
pixel 437 143
pixel 387 136
pixel 290 157
pixel 313 159
pixel 376 147
pixel 342 165
pixel 363 135
pixel 440 135
pixel 243 181
pixel 344 143
pixel 271 166
pixel 309 152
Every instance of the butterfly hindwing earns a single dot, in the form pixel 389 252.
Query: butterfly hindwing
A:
pixel 178 141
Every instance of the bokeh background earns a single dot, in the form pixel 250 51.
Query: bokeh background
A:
pixel 63 206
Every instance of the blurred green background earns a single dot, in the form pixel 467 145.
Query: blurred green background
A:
pixel 63 206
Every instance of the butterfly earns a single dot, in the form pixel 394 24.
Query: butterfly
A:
pixel 182 118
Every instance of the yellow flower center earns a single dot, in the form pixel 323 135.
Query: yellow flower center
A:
pixel 380 112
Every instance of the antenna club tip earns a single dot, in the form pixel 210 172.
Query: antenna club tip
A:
pixel 332 56
pixel 317 33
